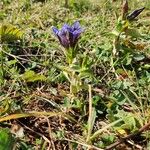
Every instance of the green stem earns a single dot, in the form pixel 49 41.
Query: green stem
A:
pixel 73 89
pixel 70 55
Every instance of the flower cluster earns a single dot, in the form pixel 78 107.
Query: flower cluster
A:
pixel 68 35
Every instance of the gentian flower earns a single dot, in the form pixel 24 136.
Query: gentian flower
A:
pixel 74 33
pixel 134 14
pixel 68 35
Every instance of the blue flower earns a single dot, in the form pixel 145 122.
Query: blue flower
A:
pixel 134 14
pixel 68 35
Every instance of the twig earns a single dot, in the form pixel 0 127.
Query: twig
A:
pixel 39 134
pixel 135 145
pixel 145 127
pixel 20 58
pixel 50 134
pixel 84 144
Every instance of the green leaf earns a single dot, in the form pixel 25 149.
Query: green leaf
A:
pixel 131 120
pixel 31 76
pixel 10 33
pixel 146 66
pixel 138 57
pixel 122 25
pixel 11 62
pixel 67 76
pixel 133 32
pixel 6 140
pixel 108 138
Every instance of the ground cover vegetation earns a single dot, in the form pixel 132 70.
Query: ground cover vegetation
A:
pixel 74 75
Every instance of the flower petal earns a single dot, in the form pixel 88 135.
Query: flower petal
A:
pixel 55 30
pixel 63 36
pixel 65 27
pixel 76 25
pixel 64 41
pixel 77 33
pixel 68 35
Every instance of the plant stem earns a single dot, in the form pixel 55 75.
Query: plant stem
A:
pixel 1 67
pixel 98 132
pixel 66 3
pixel 92 115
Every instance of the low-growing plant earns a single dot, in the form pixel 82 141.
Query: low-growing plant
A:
pixel 78 66
pixel 126 99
